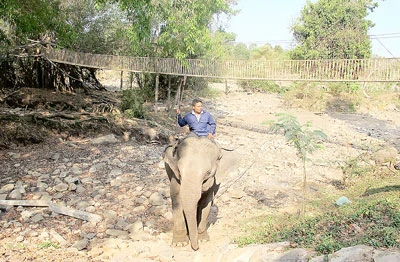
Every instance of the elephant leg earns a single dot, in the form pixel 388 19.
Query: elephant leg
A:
pixel 203 212
pixel 180 235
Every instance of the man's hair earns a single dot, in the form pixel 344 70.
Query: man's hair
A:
pixel 196 100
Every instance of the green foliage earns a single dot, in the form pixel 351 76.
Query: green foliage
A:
pixel 48 244
pixel 348 87
pixel 179 29
pixel 222 45
pixel 22 20
pixel 374 223
pixel 357 167
pixel 267 52
pixel 100 29
pixel 301 137
pixel 132 103
pixel 330 29
pixel 327 233
pixel 262 86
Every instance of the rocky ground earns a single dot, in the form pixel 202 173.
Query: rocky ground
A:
pixel 107 198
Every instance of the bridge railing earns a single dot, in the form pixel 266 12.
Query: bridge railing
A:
pixel 357 70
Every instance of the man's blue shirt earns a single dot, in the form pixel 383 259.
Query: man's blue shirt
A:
pixel 201 127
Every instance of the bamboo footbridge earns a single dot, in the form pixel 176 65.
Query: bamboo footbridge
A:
pixel 338 70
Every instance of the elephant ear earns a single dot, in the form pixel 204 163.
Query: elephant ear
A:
pixel 229 161
pixel 171 160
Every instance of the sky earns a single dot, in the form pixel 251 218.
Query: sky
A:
pixel 269 21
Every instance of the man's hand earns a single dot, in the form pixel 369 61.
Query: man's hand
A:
pixel 210 136
pixel 178 111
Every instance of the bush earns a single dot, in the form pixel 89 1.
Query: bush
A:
pixel 262 86
pixel 371 222
pixel 132 103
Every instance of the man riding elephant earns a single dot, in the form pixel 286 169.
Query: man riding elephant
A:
pixel 199 121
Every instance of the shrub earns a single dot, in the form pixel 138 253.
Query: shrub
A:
pixel 132 103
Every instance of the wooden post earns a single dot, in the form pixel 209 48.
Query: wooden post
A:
pixel 169 105
pixel 183 87
pixel 226 87
pixel 122 81
pixel 156 93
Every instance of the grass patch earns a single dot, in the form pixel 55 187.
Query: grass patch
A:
pixel 208 92
pixel 372 218
pixel 263 86
pixel 48 245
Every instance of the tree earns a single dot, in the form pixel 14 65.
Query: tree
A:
pixel 179 28
pixel 330 29
pixel 99 29
pixel 268 52
pixel 21 20
pixel 302 138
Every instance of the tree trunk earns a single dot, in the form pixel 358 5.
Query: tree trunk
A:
pixel 156 93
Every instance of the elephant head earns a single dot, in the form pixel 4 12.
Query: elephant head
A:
pixel 195 167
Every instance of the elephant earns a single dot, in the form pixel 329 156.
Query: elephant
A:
pixel 195 168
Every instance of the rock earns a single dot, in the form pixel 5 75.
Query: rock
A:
pixel 19 239
pixel 72 187
pixel 386 256
pixel 76 170
pixel 115 172
pixel 44 178
pixel 117 162
pixel 356 253
pixel 121 224
pixel 138 209
pixel 108 139
pixel 90 209
pixel 135 227
pixel 6 188
pixel 58 237
pixel 26 214
pixel 156 199
pixel 97 167
pixel 56 157
pixel 15 194
pixel 42 186
pixel 150 133
pixel 237 193
pixel 36 218
pixel 72 180
pixel 116 232
pixel 19 186
pixel 82 205
pixel 342 201
pixel 109 215
pixel 61 187
pixel 81 244
pixel 80 189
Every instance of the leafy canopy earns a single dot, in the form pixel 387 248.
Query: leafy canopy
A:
pixel 330 29
pixel 180 28
pixel 21 20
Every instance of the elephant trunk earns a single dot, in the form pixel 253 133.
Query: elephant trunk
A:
pixel 190 196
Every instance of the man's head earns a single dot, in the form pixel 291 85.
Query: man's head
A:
pixel 197 105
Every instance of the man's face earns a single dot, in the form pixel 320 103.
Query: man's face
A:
pixel 198 107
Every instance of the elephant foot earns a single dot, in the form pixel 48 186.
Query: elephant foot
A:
pixel 180 240
pixel 204 236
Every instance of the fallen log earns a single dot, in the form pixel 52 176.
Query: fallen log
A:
pixel 28 203
pixel 75 213
pixel 60 209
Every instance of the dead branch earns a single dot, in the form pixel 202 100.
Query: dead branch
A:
pixel 55 208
